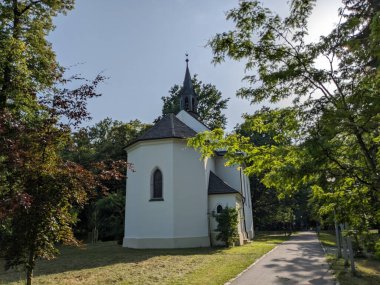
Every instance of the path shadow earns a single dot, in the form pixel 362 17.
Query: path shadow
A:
pixel 301 260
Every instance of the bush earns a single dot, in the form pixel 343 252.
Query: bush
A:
pixel 227 226
pixel 369 241
pixel 5 234
pixel 110 217
pixel 377 249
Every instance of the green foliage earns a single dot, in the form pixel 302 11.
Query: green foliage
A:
pixel 27 62
pixel 328 141
pixel 377 249
pixel 100 149
pixel 268 209
pixel 285 215
pixel 210 103
pixel 110 216
pixel 276 162
pixel 105 140
pixel 40 191
pixel 227 226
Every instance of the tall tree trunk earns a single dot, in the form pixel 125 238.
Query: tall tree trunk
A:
pixel 29 267
pixel 7 75
pixel 29 275
pixel 351 253
pixel 344 242
pixel 337 235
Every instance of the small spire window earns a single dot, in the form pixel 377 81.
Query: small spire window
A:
pixel 186 103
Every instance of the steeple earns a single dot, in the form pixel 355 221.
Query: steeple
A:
pixel 188 97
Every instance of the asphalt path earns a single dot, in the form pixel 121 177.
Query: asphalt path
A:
pixel 300 260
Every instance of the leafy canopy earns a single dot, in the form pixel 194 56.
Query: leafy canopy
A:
pixel 39 190
pixel 28 64
pixel 328 140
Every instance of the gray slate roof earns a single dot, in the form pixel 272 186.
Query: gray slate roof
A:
pixel 217 186
pixel 196 116
pixel 168 127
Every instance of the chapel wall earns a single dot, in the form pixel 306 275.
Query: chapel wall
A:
pixel 190 192
pixel 229 174
pixel 224 200
pixel 145 218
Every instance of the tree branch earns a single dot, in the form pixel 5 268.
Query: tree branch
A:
pixel 31 4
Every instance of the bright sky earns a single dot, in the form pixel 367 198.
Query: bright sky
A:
pixel 141 44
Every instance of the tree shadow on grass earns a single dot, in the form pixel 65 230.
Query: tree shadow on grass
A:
pixel 367 274
pixel 92 256
pixel 97 255
pixel 372 264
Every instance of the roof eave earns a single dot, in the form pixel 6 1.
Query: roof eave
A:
pixel 152 139
pixel 221 193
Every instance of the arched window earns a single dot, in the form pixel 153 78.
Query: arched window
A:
pixel 186 103
pixel 219 209
pixel 193 104
pixel 157 184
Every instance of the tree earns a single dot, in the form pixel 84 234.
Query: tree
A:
pixel 333 126
pixel 39 190
pixel 286 66
pixel 268 207
pixel 286 217
pixel 276 162
pixel 100 149
pixel 27 62
pixel 110 216
pixel 105 140
pixel 210 104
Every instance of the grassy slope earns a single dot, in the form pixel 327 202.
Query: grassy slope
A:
pixel 327 239
pixel 107 263
pixel 368 269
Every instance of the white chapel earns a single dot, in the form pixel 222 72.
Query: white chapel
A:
pixel 172 195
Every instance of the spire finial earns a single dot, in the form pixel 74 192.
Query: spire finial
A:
pixel 187 58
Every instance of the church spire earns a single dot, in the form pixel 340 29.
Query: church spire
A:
pixel 188 97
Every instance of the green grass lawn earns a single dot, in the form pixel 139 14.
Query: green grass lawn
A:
pixel 108 263
pixel 327 238
pixel 368 269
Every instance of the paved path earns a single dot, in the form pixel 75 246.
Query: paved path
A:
pixel 299 260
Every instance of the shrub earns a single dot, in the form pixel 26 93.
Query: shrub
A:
pixel 227 226
pixel 111 217
pixel 377 249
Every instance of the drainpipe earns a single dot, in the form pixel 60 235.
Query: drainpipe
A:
pixel 241 191
pixel 209 215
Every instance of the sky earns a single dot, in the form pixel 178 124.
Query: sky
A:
pixel 140 45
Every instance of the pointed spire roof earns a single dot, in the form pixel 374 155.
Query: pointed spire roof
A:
pixel 188 97
pixel 187 84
